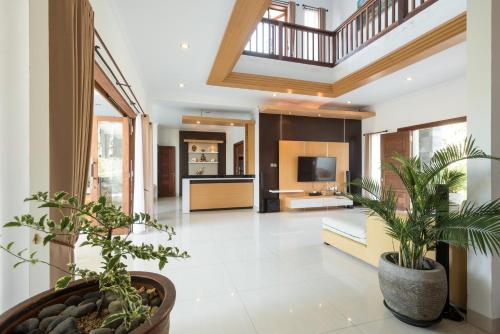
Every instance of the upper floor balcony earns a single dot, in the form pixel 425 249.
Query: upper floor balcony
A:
pixel 276 38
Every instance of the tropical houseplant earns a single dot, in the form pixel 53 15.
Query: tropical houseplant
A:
pixel 414 287
pixel 111 297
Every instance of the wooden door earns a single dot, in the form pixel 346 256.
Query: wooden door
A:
pixel 166 171
pixel 391 143
pixel 110 161
pixel 238 158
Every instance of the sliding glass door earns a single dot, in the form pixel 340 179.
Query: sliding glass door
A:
pixel 110 162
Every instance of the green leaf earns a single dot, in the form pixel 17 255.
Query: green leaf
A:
pixel 17 264
pixel 113 317
pixel 9 245
pixel 64 222
pixel 62 282
pixel 12 224
pixel 48 238
pixel 49 205
pixel 59 195
pixel 114 260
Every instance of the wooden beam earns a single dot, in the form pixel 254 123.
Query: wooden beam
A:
pixel 216 121
pixel 250 149
pixel 314 112
pixel 277 84
pixel 110 92
pixel 244 18
pixel 438 39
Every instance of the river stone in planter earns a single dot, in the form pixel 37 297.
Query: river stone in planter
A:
pixel 115 307
pixel 44 324
pixel 36 331
pixel 414 296
pixel 84 309
pixel 91 300
pixel 73 300
pixel 51 310
pixel 26 326
pixel 102 331
pixel 65 326
pixel 55 322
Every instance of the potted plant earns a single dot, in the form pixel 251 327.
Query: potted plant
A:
pixel 414 287
pixel 110 301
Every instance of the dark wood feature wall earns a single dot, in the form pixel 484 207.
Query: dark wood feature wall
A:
pixel 183 151
pixel 273 128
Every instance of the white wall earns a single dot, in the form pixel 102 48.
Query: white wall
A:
pixel 483 183
pixel 110 29
pixel 341 10
pixel 23 136
pixel 170 137
pixel 444 101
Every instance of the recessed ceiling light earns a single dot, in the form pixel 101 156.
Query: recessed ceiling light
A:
pixel 319 115
pixel 181 85
pixel 231 124
pixel 348 102
pixel 184 45
pixel 198 122
pixel 274 94
pixel 409 79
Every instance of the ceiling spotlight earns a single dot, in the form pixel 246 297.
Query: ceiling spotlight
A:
pixel 198 122
pixel 274 94
pixel 181 85
pixel 184 45
pixel 348 102
pixel 409 79
pixel 319 115
pixel 231 124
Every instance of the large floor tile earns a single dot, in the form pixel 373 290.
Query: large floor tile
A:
pixel 294 308
pixel 394 326
pixel 213 315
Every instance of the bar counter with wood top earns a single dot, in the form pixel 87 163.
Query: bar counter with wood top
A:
pixel 218 192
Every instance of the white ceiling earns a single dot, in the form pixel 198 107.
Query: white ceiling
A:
pixel 154 30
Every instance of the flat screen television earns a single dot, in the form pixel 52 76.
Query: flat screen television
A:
pixel 317 169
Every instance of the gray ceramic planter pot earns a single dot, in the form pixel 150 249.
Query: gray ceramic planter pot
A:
pixel 416 297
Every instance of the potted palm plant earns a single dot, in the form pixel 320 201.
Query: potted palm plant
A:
pixel 415 287
pixel 112 300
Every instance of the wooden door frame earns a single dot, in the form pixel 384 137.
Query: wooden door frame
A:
pixel 241 142
pixel 94 159
pixel 175 169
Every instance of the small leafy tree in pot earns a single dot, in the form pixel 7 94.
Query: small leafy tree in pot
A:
pixel 96 221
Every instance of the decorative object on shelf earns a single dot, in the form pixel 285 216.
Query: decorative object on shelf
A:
pixel 200 171
pixel 203 158
pixel 194 148
pixel 194 160
pixel 212 160
pixel 96 221
pixel 428 225
pixel 203 150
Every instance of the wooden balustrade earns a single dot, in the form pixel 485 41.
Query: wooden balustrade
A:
pixel 297 43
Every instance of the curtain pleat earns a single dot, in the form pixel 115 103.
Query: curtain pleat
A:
pixel 71 95
pixel 148 164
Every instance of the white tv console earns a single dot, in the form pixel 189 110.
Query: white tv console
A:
pixel 304 202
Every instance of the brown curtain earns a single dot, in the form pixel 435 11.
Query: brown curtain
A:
pixel 71 96
pixel 292 17
pixel 322 26
pixel 147 151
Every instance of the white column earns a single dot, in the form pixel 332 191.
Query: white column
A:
pixel 483 81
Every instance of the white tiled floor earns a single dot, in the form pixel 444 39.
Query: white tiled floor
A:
pixel 268 273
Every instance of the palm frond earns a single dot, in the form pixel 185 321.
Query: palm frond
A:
pixel 477 227
pixel 450 155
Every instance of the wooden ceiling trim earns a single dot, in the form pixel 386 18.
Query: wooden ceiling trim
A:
pixel 441 38
pixel 277 84
pixel 244 18
pixel 314 112
pixel 216 121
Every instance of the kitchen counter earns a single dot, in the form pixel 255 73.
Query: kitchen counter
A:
pixel 217 192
